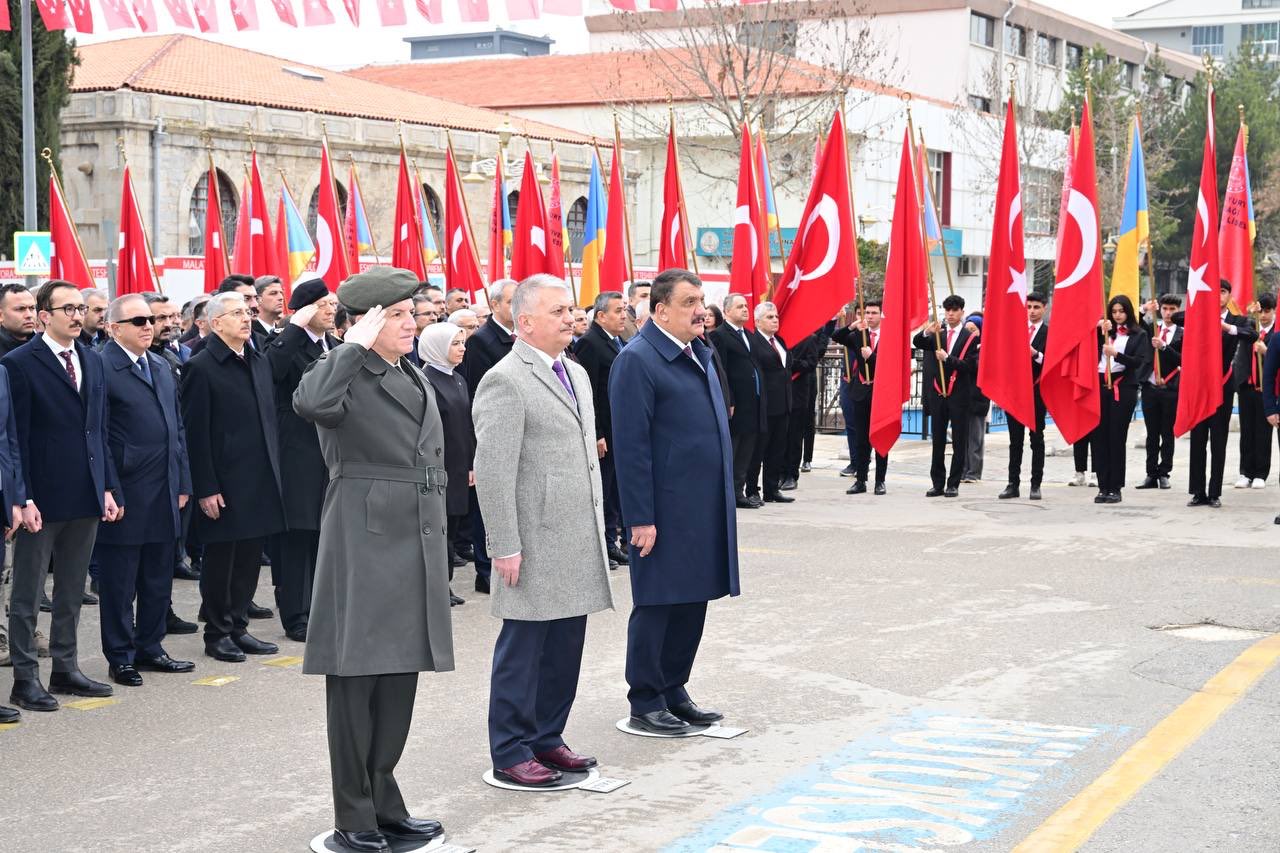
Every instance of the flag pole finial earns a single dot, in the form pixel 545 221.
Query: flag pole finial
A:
pixel 47 155
pixel 120 147
pixel 253 143
pixel 1240 111
pixel 1013 77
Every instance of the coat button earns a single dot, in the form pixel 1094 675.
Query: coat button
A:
pixel 439 451
pixel 425 490
pixel 426 531
pixel 421 452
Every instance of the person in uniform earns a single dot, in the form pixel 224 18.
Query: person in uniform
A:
pixel 1038 335
pixel 950 350
pixel 380 607
pixel 1255 432
pixel 1160 390
pixel 861 340
pixel 1124 357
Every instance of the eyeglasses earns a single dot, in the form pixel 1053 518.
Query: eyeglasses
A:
pixel 69 310
pixel 139 321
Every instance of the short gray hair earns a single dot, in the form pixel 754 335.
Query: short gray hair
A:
pixel 729 300
pixel 763 308
pixel 117 306
pixel 90 292
pixel 527 292
pixel 152 297
pixel 463 314
pixel 221 303
pixel 499 287
pixel 603 300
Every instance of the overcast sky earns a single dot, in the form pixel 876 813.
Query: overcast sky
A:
pixel 342 46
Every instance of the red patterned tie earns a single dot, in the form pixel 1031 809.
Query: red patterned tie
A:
pixel 71 368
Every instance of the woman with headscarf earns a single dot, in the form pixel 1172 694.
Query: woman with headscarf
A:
pixel 1124 358
pixel 441 347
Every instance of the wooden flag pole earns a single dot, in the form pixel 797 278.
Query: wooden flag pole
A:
pixel 622 193
pixel 933 296
pixel 862 299
pixel 53 171
pixel 565 246
pixel 685 227
pixel 937 217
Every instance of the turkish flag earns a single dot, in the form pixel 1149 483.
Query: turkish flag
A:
pixel 1073 141
pixel 54 15
pixel 284 11
pixel 81 13
pixel 555 223
pixel 391 13
pixel 1069 378
pixel 672 249
pixel 904 308
pixel 529 248
pixel 562 7
pixel 5 26
pixel 1200 388
pixel 145 12
pixel 432 10
pixel 135 271
pixel 497 236
pixel 614 266
pixel 66 258
pixel 353 11
pixel 206 15
pixel 473 11
pixel 331 251
pixel 406 246
pixel 749 268
pixel 181 13
pixel 1235 231
pixel 117 15
pixel 523 10
pixel 260 257
pixel 623 5
pixel 821 275
pixel 216 267
pixel 240 259
pixel 664 5
pixel 315 13
pixel 1004 371
pixel 462 262
pixel 245 14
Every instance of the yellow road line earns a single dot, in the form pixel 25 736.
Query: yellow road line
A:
pixel 216 680
pixel 1073 824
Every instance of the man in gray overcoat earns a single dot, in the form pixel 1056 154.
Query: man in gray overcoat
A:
pixel 380 607
pixel 538 482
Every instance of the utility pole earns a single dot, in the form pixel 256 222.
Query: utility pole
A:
pixel 28 131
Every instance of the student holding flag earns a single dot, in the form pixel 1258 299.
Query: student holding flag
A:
pixel 1160 390
pixel 1124 351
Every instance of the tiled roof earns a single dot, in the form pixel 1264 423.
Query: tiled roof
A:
pixel 193 67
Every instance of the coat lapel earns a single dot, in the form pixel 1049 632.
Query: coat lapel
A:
pixel 46 357
pixel 397 391
pixel 539 369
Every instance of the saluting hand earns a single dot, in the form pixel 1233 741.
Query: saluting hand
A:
pixel 304 315
pixel 644 538
pixel 366 329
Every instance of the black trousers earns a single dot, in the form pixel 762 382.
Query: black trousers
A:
pixel 227 583
pixel 293 570
pixel 1159 411
pixel 772 453
pixel 860 443
pixel 368 719
pixel 1211 435
pixel 662 643
pixel 797 424
pixel 1112 434
pixel 744 447
pixel 532 686
pixel 483 565
pixel 1017 438
pixel 126 573
pixel 810 429
pixel 1080 452
pixel 943 412
pixel 612 502
pixel 1255 436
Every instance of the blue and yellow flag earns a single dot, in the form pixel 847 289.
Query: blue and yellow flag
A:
pixel 1134 225
pixel 593 237
pixel 298 243
pixel 766 187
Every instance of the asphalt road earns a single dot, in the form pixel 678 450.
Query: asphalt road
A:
pixel 914 674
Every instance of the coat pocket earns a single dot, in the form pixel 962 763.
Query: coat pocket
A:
pixel 376 505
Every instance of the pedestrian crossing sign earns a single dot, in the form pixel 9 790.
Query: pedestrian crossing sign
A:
pixel 31 252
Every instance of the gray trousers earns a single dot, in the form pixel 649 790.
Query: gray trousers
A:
pixel 977 439
pixel 68 546
pixel 368 719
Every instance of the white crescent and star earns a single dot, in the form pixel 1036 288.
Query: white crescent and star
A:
pixel 1017 278
pixel 827 211
pixel 1081 211
pixel 675 232
pixel 538 238
pixel 453 247
pixel 324 247
pixel 742 216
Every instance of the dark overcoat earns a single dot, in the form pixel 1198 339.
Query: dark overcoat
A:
pixel 13 486
pixel 303 476
pixel 454 401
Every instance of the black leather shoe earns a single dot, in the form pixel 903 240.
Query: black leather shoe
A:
pixel 46 606
pixel 265 560
pixel 950 492
pixel 163 663
pixel 482 584
pixel 779 498
pixel 1010 491
pixel 9 715
pixel 251 645
pixel 934 492
pixel 29 695
pixel 125 675
pixel 1215 503
pixel 362 842
pixel 257 612
pixel 1164 482
pixel 847 471
pixel 457 562
pixel 756 503
pixel 1198 500
pixel 1148 483
pixel 412 829
pixel 455 600
pixel 184 572
pixel 787 484
pixel 746 503
pixel 173 624
pixel 224 650
pixel 1113 498
pixel 75 683
pixel 298 634
pixel 880 489
pixel 1034 494
pixel 859 487
pixel 692 714
pixel 1277 520
pixel 805 467
pixel 90 598
pixel 1101 498
pixel 619 556
pixel 659 723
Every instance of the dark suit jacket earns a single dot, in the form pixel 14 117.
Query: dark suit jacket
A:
pixel 1170 357
pixel 803 366
pixel 148 446
pixel 13 486
pixel 961 368
pixel 1271 380
pixel 9 342
pixel 228 409
pixel 453 399
pixel 485 348
pixel 62 432
pixel 596 351
pixel 256 334
pixel 775 377
pixel 860 381
pixel 1241 367
pixel 746 386
pixel 1231 344
pixel 303 474
pixel 1038 344
pixel 1136 357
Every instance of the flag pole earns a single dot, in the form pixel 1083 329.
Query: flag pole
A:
pixel 146 241
pixel 1257 320
pixel 47 154
pixel 862 297
pixel 404 158
pixel 1151 268
pixel 434 235
pixel 1088 86
pixel 355 181
pixel 937 217
pixel 217 199
pixel 684 213
pixel 565 246
pixel 333 187
pixel 466 210
pixel 622 193
pixel 933 296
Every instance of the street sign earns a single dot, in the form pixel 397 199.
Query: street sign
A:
pixel 718 242
pixel 31 252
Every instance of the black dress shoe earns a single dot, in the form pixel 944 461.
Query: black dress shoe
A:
pixel 1101 498
pixel 755 501
pixel 173 624
pixel 125 675
pixel 934 492
pixel 659 723
pixel 746 503
pixel 950 492
pixel 184 572
pixel 692 714
pixel 9 715
pixel 265 560
pixel 257 612
pixel 1277 519
pixel 412 829
pixel 225 650
pixel 858 488
pixel 787 484
pixel 880 489
pixel 619 556
pixel 251 645
pixel 457 562
pixel 163 663
pixel 1113 498
pixel 482 584
pixel 1164 482
pixel 298 634
pixel 778 498
pixel 75 683
pixel 29 695
pixel 1148 483
pixel 1215 503
pixel 1010 491
pixel 1198 500
pixel 1034 494
pixel 847 471
pixel 805 467
pixel 46 606
pixel 455 600
pixel 466 552
pixel 362 842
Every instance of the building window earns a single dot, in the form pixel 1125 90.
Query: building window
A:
pixel 982 30
pixel 227 202
pixel 1038 199
pixel 576 223
pixel 513 205
pixel 979 103
pixel 1259 4
pixel 313 209
pixel 1207 40
pixel 777 36
pixel 940 183
pixel 1015 40
pixel 1075 55
pixel 1046 49
pixel 1100 64
pixel 1129 75
pixel 1265 38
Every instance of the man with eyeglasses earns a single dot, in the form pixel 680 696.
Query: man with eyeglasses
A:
pixel 147 442
pixel 243 285
pixel 60 405
pixel 94 333
pixel 17 317
pixel 425 313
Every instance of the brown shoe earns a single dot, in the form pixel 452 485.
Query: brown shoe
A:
pixel 529 773
pixel 565 759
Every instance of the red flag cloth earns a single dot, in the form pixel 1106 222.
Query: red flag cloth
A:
pixel 905 306
pixel 497 240
pixel 406 249
pixel 81 14
pixel 215 241
pixel 555 223
pixel 284 11
pixel 1004 371
pixel 262 257
pixel 1200 385
pixel 145 12
pixel 331 251
pixel 1073 138
pixel 624 5
pixel 66 258
pixel 54 14
pixel 749 267
pixel 1235 243
pixel 432 10
pixel 4 17
pixel 315 13
pixel 117 16
pixel 136 271
pixel 282 248
pixel 462 268
pixel 353 11
pixel 614 269
pixel 664 5
pixel 240 258
pixel 474 11
pixel 529 246
pixel 562 7
pixel 351 228
pixel 206 15
pixel 672 251
pixel 523 10
pixel 181 13
pixel 245 14
pixel 821 275
pixel 1069 379
pixel 391 13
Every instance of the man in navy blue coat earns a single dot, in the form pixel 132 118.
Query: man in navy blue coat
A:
pixel 13 490
pixel 149 448
pixel 675 477
pixel 60 404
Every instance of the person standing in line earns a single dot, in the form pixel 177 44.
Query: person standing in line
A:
pixel 747 412
pixel 1125 350
pixel 861 341
pixel 951 351
pixel 1160 390
pixel 1038 335
pixel 1255 432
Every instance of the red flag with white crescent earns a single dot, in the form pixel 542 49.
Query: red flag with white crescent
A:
pixel 54 15
pixel 117 16
pixel 66 258
pixel 462 262
pixel 406 248
pixel 215 238
pixel 136 271
pixel 615 267
pixel 353 11
pixel 432 10
pixel 145 12
pixel 672 251
pixel 749 269
pixel 284 11
pixel 206 15
pixel 331 251
pixel 245 14
pixel 529 247
pixel 316 13
pixel 1235 231
pixel 81 14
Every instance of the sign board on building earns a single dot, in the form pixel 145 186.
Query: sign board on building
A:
pixel 31 252
pixel 953 239
pixel 718 242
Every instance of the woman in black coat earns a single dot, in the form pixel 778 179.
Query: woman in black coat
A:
pixel 1123 343
pixel 441 347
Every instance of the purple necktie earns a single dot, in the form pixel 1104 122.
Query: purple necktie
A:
pixel 564 379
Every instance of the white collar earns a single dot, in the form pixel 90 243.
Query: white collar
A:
pixel 500 326
pixel 676 340
pixel 58 349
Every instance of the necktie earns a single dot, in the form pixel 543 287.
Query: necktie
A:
pixel 564 379
pixel 875 336
pixel 1031 330
pixel 71 368
pixel 1164 334
pixel 144 369
pixel 617 344
pixel 745 341
pixel 951 336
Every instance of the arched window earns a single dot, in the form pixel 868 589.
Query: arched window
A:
pixel 227 201
pixel 435 212
pixel 513 204
pixel 314 207
pixel 576 222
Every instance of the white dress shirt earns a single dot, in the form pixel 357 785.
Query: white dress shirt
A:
pixel 58 350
